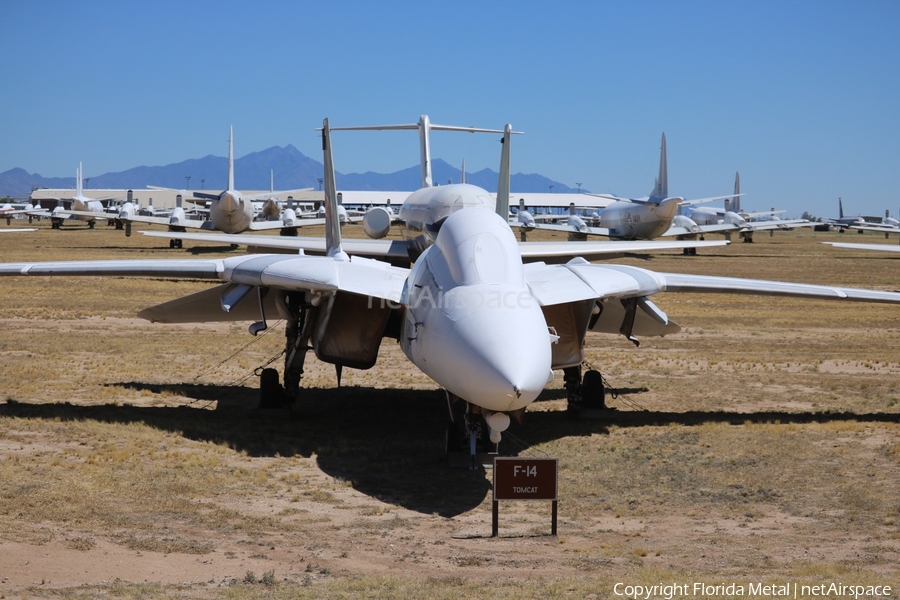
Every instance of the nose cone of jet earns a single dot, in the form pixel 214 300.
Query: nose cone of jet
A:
pixel 229 202
pixel 501 356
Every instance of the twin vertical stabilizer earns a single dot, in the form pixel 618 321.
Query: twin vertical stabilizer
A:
pixel 503 183
pixel 332 223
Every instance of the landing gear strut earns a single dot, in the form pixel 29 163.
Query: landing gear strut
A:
pixel 467 441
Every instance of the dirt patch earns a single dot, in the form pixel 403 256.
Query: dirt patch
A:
pixel 758 444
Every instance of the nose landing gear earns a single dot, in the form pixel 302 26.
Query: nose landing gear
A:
pixel 468 437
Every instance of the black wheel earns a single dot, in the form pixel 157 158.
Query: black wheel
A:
pixel 171 243
pixel 271 394
pixel 592 390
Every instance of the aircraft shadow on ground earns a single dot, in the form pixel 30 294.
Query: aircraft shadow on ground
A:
pixel 388 443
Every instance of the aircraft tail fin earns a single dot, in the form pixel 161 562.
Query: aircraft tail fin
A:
pixel 231 158
pixel 840 209
pixel 503 183
pixel 79 182
pixel 332 222
pixel 661 189
pixel 737 192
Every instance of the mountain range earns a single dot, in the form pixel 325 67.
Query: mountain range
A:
pixel 293 170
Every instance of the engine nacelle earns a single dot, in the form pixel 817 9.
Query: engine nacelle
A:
pixel 578 223
pixel 686 222
pixel 377 222
pixel 526 219
pixel 126 212
pixel 177 217
pixel 289 218
pixel 732 218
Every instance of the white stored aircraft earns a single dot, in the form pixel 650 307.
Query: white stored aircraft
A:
pixel 9 211
pixel 656 216
pixel 230 211
pixel 732 219
pixel 887 226
pixel 484 325
pixel 646 218
pixel 421 214
pixel 83 208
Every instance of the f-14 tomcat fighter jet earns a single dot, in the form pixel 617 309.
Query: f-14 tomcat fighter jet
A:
pixel 470 313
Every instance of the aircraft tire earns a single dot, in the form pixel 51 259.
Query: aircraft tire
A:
pixel 271 393
pixel 592 390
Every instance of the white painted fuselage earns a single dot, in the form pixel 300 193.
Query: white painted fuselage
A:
pixel 231 213
pixel 466 304
pixel 711 216
pixel 639 220
pixel 424 210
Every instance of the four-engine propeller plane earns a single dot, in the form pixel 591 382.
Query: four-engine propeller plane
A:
pixel 656 216
pixel 470 313
pixel 230 211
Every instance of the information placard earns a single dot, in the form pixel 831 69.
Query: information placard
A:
pixel 525 478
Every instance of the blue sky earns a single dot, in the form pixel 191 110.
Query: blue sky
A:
pixel 803 98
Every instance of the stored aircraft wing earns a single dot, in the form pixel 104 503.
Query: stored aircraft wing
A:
pixel 876 247
pixel 399 250
pixel 470 314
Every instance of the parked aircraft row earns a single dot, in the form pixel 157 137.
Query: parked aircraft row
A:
pixel 487 318
pixel 659 215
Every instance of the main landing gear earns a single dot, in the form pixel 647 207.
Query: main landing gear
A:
pixel 586 396
pixel 175 243
pixel 272 394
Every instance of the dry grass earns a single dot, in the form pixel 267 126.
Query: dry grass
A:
pixel 770 449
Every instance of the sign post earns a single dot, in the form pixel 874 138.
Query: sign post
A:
pixel 524 479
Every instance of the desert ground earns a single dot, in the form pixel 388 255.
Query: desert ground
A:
pixel 759 445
